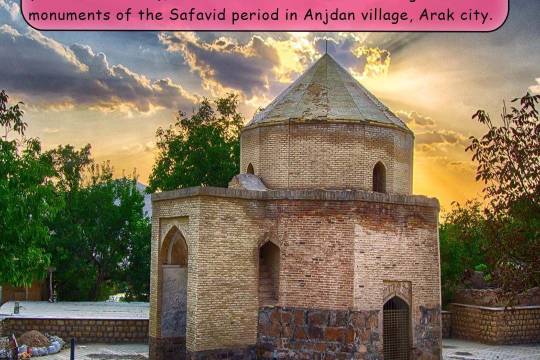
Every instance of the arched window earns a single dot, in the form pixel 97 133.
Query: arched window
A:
pixel 379 178
pixel 396 329
pixel 174 249
pixel 250 169
pixel 268 274
pixel 173 259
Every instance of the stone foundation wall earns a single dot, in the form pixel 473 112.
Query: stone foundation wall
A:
pixel 84 330
pixel 519 325
pixel 166 348
pixel 337 334
pixel 446 317
pixel 427 339
pixel 315 334
pixel 175 348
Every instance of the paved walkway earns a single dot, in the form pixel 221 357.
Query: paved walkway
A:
pixel 103 352
pixel 77 310
pixel 465 350
pixel 452 350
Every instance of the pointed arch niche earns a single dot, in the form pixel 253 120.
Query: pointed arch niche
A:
pixel 269 259
pixel 174 261
pixel 379 178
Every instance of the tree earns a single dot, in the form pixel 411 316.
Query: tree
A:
pixel 136 279
pixel 100 233
pixel 203 149
pixel 508 155
pixel 463 243
pixel 27 200
pixel 508 158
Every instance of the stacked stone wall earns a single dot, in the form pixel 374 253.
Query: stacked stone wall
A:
pixel 519 325
pixel 83 330
pixel 300 333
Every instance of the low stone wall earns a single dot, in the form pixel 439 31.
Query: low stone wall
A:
pixel 497 298
pixel 518 325
pixel 84 330
pixel 446 317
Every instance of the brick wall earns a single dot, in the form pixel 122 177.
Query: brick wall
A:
pixel 321 253
pixel 84 330
pixel 330 156
pixel 519 325
pixel 446 324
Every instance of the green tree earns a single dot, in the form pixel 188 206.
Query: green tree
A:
pixel 27 200
pixel 203 149
pixel 503 236
pixel 508 158
pixel 508 155
pixel 136 279
pixel 101 231
pixel 463 243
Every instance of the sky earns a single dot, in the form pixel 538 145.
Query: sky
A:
pixel 114 89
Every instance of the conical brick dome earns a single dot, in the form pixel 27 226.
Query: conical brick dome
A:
pixel 326 91
pixel 326 131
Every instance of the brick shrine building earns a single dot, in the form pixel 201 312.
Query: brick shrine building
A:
pixel 318 250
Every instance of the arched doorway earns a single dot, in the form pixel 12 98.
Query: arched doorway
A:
pixel 268 274
pixel 396 329
pixel 173 262
pixel 250 169
pixel 379 178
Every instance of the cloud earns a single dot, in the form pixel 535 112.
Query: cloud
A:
pixel 535 89
pixel 440 137
pixel 259 65
pixel 50 74
pixel 415 119
pixel 226 63
pixel 376 61
pixel 12 8
pixel 48 130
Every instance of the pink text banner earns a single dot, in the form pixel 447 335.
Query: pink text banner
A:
pixel 267 15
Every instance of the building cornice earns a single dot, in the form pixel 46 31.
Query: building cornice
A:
pixel 308 194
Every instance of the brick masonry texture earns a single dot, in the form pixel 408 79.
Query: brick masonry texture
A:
pixel 339 251
pixel 498 326
pixel 446 317
pixel 299 155
pixel 84 330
